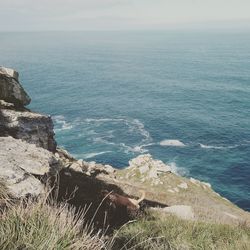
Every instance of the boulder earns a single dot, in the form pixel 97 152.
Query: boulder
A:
pixel 31 127
pixel 10 88
pixel 145 163
pixel 21 162
pixel 147 168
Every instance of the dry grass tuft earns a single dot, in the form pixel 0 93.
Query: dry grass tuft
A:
pixel 168 232
pixel 41 225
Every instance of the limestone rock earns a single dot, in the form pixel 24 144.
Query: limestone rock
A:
pixel 183 185
pixel 181 211
pixel 31 127
pixel 148 168
pixel 94 169
pixel 10 72
pixel 10 89
pixel 76 167
pixel 20 162
pixel 205 185
pixel 145 163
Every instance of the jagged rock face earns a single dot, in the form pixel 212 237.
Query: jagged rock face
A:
pixel 31 127
pixel 147 168
pixel 10 89
pixel 20 162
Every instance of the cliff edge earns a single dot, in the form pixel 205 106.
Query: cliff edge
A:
pixel 29 157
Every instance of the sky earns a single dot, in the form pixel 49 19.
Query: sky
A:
pixel 37 15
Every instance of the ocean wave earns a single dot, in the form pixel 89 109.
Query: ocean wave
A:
pixel 61 124
pixel 216 147
pixel 101 140
pixel 134 127
pixel 177 170
pixel 92 155
pixel 172 143
pixel 132 149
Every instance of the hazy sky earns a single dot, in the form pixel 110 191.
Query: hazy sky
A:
pixel 121 14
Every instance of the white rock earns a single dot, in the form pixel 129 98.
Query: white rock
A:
pixel 20 161
pixel 76 167
pixel 109 169
pixel 206 184
pixel 182 211
pixel 144 169
pixel 148 167
pixel 183 185
pixel 171 191
pixel 194 181
pixel 80 162
pixel 9 72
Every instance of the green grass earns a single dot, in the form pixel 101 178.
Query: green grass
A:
pixel 42 225
pixel 46 225
pixel 168 232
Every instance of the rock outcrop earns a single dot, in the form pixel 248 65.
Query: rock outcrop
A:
pixel 21 163
pixel 31 127
pixel 10 88
pixel 148 168
pixel 181 211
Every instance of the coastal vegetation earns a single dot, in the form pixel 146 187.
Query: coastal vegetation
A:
pixel 48 225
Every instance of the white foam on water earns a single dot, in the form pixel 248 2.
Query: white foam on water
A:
pixel 137 126
pixel 92 155
pixel 134 126
pixel 216 147
pixel 177 170
pixel 101 140
pixel 172 143
pixel 61 122
pixel 136 149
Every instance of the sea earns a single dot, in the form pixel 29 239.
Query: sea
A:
pixel 181 96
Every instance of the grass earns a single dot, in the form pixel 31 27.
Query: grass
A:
pixel 4 195
pixel 168 232
pixel 42 225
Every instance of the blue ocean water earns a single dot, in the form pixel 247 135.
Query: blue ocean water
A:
pixel 115 95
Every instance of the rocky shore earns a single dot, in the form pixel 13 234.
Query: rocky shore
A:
pixel 30 159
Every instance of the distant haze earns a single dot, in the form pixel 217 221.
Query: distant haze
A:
pixel 36 15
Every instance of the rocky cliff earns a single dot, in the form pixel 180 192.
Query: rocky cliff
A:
pixel 29 158
pixel 10 89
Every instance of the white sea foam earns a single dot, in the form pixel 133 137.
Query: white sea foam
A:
pixel 216 147
pixel 91 155
pixel 135 127
pixel 101 140
pixel 177 170
pixel 61 123
pixel 172 143
pixel 136 149
pixel 102 120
